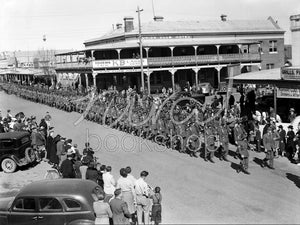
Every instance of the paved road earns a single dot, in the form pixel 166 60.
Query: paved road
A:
pixel 193 191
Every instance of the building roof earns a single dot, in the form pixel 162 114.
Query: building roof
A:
pixel 263 75
pixel 197 27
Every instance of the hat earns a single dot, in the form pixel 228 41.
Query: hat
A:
pixel 291 127
pixel 292 109
pixel 117 192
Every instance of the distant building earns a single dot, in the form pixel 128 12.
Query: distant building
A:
pixel 287 54
pixel 174 53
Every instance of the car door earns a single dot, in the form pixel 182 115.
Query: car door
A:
pixel 23 211
pixel 50 211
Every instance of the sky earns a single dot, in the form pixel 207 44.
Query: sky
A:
pixel 66 24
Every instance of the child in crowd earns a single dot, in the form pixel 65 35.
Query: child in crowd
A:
pixel 156 207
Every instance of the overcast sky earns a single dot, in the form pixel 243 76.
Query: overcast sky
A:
pixel 68 23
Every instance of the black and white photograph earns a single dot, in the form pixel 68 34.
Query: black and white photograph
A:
pixel 148 112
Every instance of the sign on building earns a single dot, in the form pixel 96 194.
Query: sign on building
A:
pixel 290 73
pixel 119 63
pixel 288 93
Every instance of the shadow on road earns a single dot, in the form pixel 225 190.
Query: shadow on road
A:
pixel 28 166
pixel 235 166
pixel 258 161
pixel 294 178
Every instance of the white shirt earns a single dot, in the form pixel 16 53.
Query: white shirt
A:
pixel 125 184
pixel 132 178
pixel 141 187
pixel 109 183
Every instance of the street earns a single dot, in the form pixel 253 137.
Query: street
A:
pixel 193 191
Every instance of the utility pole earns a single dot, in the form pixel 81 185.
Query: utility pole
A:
pixel 141 47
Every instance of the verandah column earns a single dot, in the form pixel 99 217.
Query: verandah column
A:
pixel 173 71
pixel 196 75
pixel 148 73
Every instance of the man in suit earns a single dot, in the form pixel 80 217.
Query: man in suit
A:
pixel 269 144
pixel 119 209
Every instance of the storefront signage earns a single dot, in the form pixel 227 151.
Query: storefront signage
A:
pixel 118 71
pixel 290 73
pixel 119 63
pixel 288 93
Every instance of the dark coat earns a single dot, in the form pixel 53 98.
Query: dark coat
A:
pixel 53 156
pixel 92 174
pixel 67 169
pixel 49 145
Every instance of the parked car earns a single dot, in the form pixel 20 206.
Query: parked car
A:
pixel 51 202
pixel 15 150
pixel 206 88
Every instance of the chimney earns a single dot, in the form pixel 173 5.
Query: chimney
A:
pixel 119 26
pixel 158 18
pixel 223 17
pixel 128 24
pixel 295 29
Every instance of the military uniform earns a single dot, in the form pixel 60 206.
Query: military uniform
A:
pixel 269 144
pixel 210 147
pixel 224 140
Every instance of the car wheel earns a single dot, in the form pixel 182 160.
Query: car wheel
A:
pixel 30 154
pixel 8 165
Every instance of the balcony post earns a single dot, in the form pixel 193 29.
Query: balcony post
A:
pixel 147 52
pixel 240 51
pixel 171 48
pixel 119 53
pixel 195 47
pixel 218 51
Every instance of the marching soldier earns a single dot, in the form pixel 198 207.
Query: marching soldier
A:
pixel 269 144
pixel 244 156
pixel 239 135
pixel 224 140
pixel 210 147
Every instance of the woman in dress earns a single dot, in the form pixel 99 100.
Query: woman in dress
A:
pixel 102 210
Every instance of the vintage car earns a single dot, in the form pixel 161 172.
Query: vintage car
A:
pixel 15 150
pixel 51 202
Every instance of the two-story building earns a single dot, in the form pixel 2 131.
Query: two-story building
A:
pixel 173 53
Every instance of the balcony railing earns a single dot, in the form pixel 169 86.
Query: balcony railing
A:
pixel 165 61
pixel 203 59
pixel 74 65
